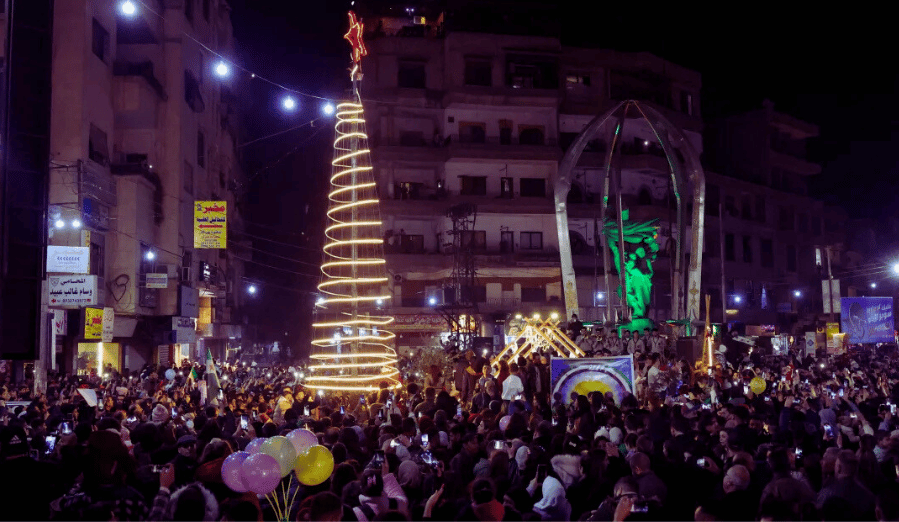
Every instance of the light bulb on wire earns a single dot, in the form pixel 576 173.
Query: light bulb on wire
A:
pixel 328 108
pixel 128 8
pixel 222 70
pixel 289 104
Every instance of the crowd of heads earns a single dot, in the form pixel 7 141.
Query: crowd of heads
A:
pixel 818 441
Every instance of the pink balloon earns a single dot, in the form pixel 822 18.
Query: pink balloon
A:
pixel 302 440
pixel 260 473
pixel 504 422
pixel 231 471
pixel 253 446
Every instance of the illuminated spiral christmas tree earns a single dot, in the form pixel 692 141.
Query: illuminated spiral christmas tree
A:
pixel 352 349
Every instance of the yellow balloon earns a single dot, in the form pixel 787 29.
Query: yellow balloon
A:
pixel 757 385
pixel 282 450
pixel 314 466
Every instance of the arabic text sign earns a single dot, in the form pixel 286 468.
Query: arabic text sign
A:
pixel 68 260
pixel 72 290
pixel 210 224
pixel 157 280
pixel 867 319
pixel 108 325
pixel 93 323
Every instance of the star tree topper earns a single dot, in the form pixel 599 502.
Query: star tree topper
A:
pixel 354 36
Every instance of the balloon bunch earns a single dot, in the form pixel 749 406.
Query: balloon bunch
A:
pixel 266 462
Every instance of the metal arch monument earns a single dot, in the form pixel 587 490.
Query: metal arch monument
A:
pixel 685 171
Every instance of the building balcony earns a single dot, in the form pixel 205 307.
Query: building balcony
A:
pixel 793 164
pixel 492 149
pixel 393 150
pixel 467 96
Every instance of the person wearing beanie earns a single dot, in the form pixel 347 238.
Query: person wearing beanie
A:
pixel 160 414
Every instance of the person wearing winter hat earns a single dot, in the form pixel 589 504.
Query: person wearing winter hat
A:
pixel 160 414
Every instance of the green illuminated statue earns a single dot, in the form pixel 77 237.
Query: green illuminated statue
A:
pixel 640 250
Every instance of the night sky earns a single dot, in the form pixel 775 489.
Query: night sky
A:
pixel 832 68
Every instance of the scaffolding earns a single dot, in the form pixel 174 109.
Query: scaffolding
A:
pixel 460 307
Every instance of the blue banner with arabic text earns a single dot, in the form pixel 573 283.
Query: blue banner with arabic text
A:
pixel 867 319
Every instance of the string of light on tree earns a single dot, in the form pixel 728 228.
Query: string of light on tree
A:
pixel 353 272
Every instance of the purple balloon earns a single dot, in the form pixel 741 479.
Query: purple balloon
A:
pixel 231 471
pixel 260 473
pixel 253 446
pixel 302 440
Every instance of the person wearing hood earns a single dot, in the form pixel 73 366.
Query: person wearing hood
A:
pixel 410 479
pixel 190 502
pixel 568 468
pixel 553 505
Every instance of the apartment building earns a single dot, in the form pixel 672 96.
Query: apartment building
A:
pixel 775 236
pixel 141 128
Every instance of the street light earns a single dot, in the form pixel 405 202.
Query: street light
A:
pixel 289 103
pixel 252 289
pixel 150 255
pixel 896 268
pixel 328 108
pixel 222 69
pixel 59 223
pixel 873 285
pixel 432 301
pixel 128 8
pixel 797 293
pixel 737 299
pixel 76 223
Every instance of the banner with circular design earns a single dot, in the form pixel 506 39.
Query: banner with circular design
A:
pixel 602 374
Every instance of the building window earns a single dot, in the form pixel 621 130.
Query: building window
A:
pixel 802 223
pixel 531 241
pixel 532 187
pixel 644 197
pixel 686 103
pixel 407 190
pixel 97 260
pixel 206 9
pixel 189 10
pixel 530 134
pixel 531 72
pixel 473 185
pixel 712 247
pixel 761 213
pixel 506 242
pixel 730 206
pixel 573 80
pixel 412 138
pixel 729 247
pixel 97 149
pixel 412 244
pixel 506 187
pixel 786 218
pixel 478 72
pixel 505 132
pixel 746 207
pixel 816 225
pixel 472 132
pixel 100 41
pixel 201 149
pixel 411 75
pixel 188 178
pixel 767 247
pixel 476 240
pixel 712 199
pixel 747 249
pixel 533 295
pixel 791 258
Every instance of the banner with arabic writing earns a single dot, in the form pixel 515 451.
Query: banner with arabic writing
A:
pixel 210 224
pixel 867 319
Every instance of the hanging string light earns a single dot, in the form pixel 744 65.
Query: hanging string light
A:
pixel 352 349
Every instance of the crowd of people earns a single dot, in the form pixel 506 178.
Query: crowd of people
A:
pixel 820 442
